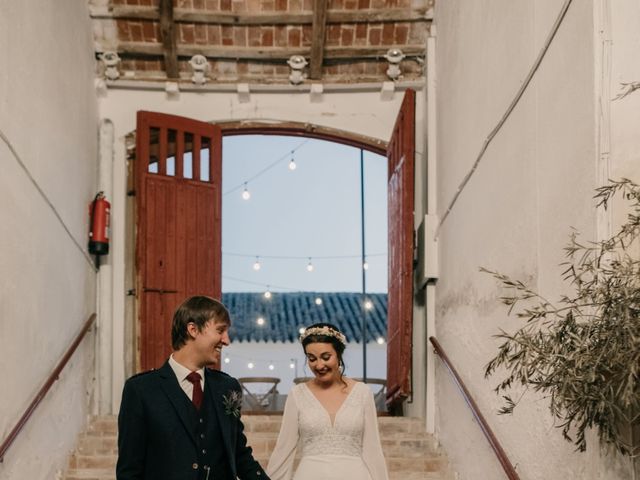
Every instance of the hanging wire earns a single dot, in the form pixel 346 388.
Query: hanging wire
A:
pixel 265 169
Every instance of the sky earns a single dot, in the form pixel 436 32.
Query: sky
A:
pixel 311 212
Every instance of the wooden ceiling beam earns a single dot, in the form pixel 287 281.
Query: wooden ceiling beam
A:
pixel 318 29
pixel 167 30
pixel 181 15
pixel 137 49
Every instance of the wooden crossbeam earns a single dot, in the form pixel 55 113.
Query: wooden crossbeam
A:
pixel 181 15
pixel 169 47
pixel 318 30
pixel 264 54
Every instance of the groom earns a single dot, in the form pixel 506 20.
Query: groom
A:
pixel 182 422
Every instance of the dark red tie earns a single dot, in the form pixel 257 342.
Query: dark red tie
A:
pixel 194 377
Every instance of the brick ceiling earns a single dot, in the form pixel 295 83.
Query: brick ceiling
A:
pixel 250 41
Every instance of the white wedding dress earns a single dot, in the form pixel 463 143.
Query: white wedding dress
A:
pixel 347 449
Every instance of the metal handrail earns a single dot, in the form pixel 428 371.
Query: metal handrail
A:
pixel 45 388
pixel 488 433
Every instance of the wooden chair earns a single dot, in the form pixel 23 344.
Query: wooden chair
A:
pixel 259 401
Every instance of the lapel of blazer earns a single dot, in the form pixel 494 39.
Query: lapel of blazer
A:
pixel 176 395
pixel 215 395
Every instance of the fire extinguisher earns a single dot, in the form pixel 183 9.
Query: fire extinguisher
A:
pixel 99 211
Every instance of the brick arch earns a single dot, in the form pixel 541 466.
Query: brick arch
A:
pixel 301 129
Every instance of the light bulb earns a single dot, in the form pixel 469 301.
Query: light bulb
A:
pixel 250 365
pixel 227 359
pixel 267 294
pixel 368 304
pixel 318 301
pixel 272 366
pixel 380 340
pixel 292 365
pixel 292 164
pixel 309 266
pixel 301 330
pixel 260 321
pixel 365 266
pixel 256 265
pixel 245 193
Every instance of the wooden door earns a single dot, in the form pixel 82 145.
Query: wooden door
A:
pixel 178 211
pixel 400 156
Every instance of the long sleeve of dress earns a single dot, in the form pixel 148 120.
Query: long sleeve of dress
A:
pixel 371 448
pixel 280 465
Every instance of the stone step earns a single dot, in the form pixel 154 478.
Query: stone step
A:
pixel 410 452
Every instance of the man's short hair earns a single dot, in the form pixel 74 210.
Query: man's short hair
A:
pixel 198 309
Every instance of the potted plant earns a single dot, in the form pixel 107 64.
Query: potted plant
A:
pixel 582 351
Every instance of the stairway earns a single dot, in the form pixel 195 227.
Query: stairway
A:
pixel 411 453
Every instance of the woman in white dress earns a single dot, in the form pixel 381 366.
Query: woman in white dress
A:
pixel 332 417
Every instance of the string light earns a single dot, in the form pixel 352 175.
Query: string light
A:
pixel 267 294
pixel 257 266
pixel 264 170
pixel 260 321
pixel 250 365
pixel 301 330
pixel 292 365
pixel 272 366
pixel 227 360
pixel 380 340
pixel 318 301
pixel 245 193
pixel 292 163
pixel 365 265
pixel 368 304
pixel 310 266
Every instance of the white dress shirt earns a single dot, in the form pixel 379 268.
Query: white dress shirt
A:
pixel 181 373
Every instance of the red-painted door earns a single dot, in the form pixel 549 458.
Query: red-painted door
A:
pixel 178 235
pixel 400 156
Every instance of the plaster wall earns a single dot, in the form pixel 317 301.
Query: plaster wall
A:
pixel 535 182
pixel 359 111
pixel 48 116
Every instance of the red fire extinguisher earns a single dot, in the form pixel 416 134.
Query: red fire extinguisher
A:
pixel 99 211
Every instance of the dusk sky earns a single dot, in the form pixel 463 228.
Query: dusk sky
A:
pixel 310 212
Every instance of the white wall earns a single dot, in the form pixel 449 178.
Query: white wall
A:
pixel 48 114
pixel 359 112
pixel 536 181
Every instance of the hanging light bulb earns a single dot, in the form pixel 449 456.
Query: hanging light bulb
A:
pixel 250 365
pixel 245 193
pixel 318 301
pixel 365 265
pixel 260 321
pixel 368 304
pixel 272 366
pixel 292 365
pixel 292 163
pixel 380 340
pixel 227 359
pixel 301 330
pixel 257 265
pixel 267 294
pixel 310 266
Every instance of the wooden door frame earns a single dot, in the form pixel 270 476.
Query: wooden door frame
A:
pixel 232 128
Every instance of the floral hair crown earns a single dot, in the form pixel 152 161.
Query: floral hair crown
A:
pixel 325 331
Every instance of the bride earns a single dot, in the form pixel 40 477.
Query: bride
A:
pixel 333 416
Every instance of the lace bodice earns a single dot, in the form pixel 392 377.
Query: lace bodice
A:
pixel 318 434
pixel 354 431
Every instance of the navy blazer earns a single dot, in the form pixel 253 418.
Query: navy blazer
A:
pixel 155 441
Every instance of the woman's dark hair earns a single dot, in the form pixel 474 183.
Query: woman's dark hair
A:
pixel 338 346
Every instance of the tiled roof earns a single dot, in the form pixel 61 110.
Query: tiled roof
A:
pixel 285 313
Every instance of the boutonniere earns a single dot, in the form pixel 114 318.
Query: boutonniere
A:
pixel 232 402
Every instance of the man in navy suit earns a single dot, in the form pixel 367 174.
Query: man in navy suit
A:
pixel 182 421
